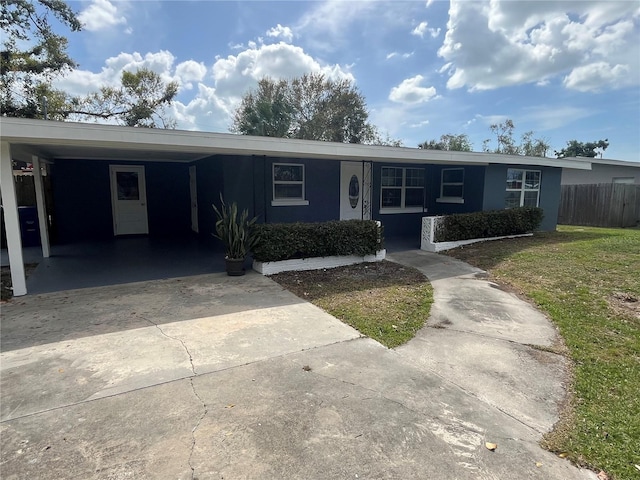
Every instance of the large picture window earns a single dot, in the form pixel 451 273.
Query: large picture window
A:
pixel 288 184
pixel 402 189
pixel 523 188
pixel 451 185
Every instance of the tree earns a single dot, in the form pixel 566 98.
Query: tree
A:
pixel 140 101
pixel 267 112
pixel 32 55
pixel 449 141
pixel 505 142
pixel 310 107
pixel 580 149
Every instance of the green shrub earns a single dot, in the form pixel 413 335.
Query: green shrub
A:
pixel 285 241
pixel 496 223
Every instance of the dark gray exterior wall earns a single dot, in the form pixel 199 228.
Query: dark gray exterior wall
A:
pixel 82 199
pixel 209 183
pixel 249 181
pixel 495 189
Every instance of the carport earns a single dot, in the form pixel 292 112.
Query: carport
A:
pixel 92 249
pixel 122 250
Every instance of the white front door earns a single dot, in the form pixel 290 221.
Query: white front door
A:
pixel 193 188
pixel 355 190
pixel 128 200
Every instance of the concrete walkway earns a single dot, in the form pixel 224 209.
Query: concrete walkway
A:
pixel 218 377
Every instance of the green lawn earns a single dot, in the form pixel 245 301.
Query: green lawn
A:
pixel 588 281
pixel 383 300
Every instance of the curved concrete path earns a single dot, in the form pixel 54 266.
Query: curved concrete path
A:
pixel 217 377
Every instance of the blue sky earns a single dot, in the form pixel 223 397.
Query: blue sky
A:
pixel 564 69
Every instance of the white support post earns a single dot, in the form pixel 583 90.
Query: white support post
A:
pixel 11 221
pixel 42 208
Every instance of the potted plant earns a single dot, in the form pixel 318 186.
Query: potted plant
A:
pixel 236 233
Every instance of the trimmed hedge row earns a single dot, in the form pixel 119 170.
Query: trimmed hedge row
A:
pixel 496 223
pixel 285 241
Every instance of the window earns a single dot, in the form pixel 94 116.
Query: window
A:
pixel 623 180
pixel 402 190
pixel 523 188
pixel 288 184
pixel 451 186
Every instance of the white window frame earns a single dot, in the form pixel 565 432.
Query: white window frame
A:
pixel 445 199
pixel 403 191
pixel 623 180
pixel 282 202
pixel 524 188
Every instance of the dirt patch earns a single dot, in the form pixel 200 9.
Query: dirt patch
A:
pixel 625 304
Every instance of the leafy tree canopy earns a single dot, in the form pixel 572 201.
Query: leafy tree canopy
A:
pixel 580 149
pixel 506 143
pixel 32 54
pixel 449 141
pixel 310 107
pixel 140 101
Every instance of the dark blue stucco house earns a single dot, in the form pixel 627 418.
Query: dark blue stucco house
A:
pixel 108 181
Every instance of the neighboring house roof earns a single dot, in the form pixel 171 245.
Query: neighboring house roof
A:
pixel 51 139
pixel 606 161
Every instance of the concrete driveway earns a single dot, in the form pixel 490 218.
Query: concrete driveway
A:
pixel 218 377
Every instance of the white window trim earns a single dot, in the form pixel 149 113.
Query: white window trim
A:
pixel 442 198
pixel 623 180
pixel 524 183
pixel 287 202
pixel 403 189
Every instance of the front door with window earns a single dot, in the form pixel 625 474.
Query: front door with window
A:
pixel 128 200
pixel 355 191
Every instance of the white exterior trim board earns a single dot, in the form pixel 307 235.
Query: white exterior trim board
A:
pixel 315 263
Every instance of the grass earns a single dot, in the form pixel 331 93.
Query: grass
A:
pixel 383 300
pixel 588 281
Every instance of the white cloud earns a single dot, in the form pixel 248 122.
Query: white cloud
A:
pixel 236 74
pixel 396 54
pixel 190 71
pixel 410 92
pixel 82 82
pixel 592 77
pixel 420 29
pixel 207 97
pixel 101 15
pixel 279 31
pixel 497 43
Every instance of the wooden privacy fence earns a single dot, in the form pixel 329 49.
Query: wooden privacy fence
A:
pixel 600 205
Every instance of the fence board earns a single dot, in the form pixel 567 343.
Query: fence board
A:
pixel 600 205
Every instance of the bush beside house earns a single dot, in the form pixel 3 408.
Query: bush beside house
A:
pixel 496 223
pixel 286 241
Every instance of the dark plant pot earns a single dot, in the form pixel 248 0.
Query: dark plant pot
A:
pixel 235 266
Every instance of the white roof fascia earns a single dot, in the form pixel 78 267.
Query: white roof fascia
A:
pixel 52 133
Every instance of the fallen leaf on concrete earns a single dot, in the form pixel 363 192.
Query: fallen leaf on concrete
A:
pixel 491 446
pixel 231 405
pixel 602 475
pixel 306 368
pixel 538 464
pixel 61 370
pixel 563 455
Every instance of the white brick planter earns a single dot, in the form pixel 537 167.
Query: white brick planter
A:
pixel 428 243
pixel 314 263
